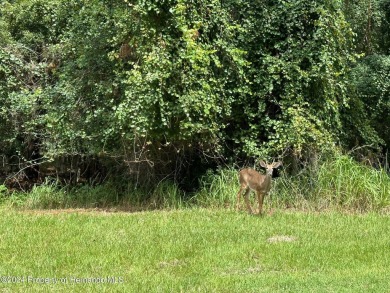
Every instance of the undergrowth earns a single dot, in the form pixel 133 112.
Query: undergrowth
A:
pixel 338 182
pixel 108 195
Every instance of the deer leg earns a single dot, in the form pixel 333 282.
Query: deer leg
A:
pixel 246 197
pixel 260 198
pixel 238 199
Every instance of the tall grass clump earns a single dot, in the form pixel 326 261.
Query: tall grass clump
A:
pixel 337 182
pixel 166 195
pixel 345 182
pixel 217 188
pixel 52 195
pixel 46 196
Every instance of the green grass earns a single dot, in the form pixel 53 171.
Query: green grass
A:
pixel 196 250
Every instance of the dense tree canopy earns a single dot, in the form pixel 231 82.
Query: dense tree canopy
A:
pixel 161 82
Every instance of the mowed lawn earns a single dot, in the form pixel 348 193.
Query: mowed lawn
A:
pixel 194 250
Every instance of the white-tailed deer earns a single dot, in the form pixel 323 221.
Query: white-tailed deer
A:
pixel 252 180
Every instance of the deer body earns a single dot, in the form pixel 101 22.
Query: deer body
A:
pixel 250 179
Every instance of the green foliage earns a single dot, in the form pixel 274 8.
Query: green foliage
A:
pixel 3 192
pixel 370 21
pixel 118 77
pixel 27 31
pixel 150 84
pixel 173 90
pixel 385 27
pixel 3 189
pixel 367 120
pixel 299 53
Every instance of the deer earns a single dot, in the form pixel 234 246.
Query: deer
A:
pixel 250 179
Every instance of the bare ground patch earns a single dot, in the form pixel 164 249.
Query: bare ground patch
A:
pixel 171 263
pixel 89 211
pixel 281 238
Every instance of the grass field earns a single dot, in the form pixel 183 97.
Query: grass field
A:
pixel 193 250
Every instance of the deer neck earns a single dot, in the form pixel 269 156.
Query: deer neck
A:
pixel 267 181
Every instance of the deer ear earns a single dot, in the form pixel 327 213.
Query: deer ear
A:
pixel 263 164
pixel 276 165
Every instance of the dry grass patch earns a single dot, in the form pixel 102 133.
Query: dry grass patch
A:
pixel 281 238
